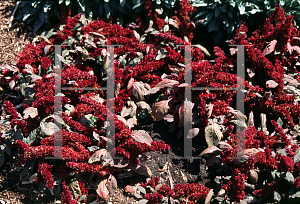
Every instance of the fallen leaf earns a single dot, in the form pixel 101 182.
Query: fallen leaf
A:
pixel 49 128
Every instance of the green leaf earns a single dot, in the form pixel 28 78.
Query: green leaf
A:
pixel 280 122
pixel 67 2
pixel 4 122
pixel 37 24
pixel 277 196
pixel 82 6
pixel 31 137
pixel 289 177
pixel 82 198
pixel 7 150
pixel 296 158
pixel 18 135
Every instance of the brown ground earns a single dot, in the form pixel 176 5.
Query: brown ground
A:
pixel 12 191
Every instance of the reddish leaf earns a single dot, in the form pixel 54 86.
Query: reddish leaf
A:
pixel 142 136
pixel 210 150
pixel 224 145
pixel 271 84
pixel 173 23
pixel 139 169
pixel 169 118
pixel 130 189
pixel 289 48
pixel 233 50
pixel 122 119
pixel 270 47
pixel 126 111
pixel 139 90
pixel 210 109
pixel 160 109
pixel 185 112
pixel 193 132
pixel 130 83
pixel 296 38
pixel 112 185
pixel 251 152
pixel 102 190
pixel 120 164
pixel 213 135
pixel 131 122
pixel 297 49
pixel 203 49
pixel 183 85
pixel 251 72
pixel 97 156
pixel 30 112
pixel 166 83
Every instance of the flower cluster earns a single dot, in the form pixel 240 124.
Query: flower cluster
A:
pixel 187 193
pixel 237 186
pixel 45 170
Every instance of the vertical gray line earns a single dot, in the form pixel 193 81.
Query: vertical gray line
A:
pixel 188 146
pixel 57 103
pixel 110 99
pixel 240 99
